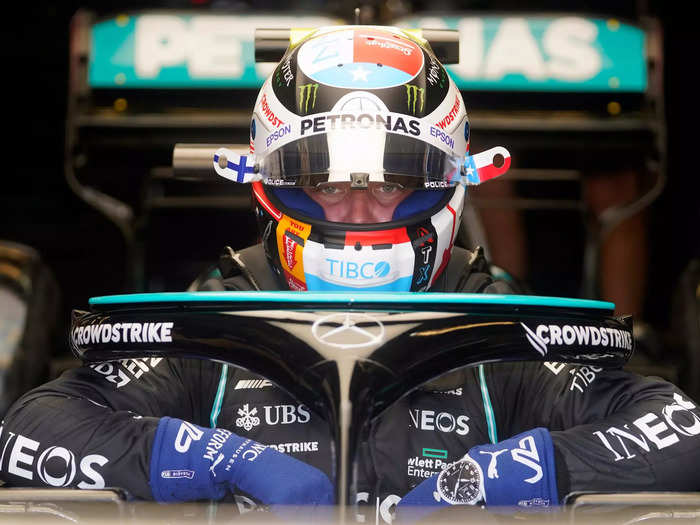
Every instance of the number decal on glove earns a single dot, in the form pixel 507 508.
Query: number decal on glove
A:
pixel 190 433
pixel 528 456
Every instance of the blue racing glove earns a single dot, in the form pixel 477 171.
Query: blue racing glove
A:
pixel 189 462
pixel 517 472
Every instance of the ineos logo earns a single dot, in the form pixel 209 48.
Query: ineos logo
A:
pixel 348 330
pixel 56 452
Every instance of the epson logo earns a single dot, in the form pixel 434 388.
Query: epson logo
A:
pixel 278 134
pixel 442 137
pixel 55 466
pixel 568 335
pixel 353 270
pixel 122 333
pixel 442 421
pixel 391 123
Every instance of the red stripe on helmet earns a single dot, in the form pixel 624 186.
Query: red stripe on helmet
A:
pixel 259 193
pixel 448 252
pixel 395 236
pixel 491 172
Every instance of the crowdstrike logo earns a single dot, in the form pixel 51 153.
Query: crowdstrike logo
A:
pixel 122 333
pixel 296 447
pixel 570 335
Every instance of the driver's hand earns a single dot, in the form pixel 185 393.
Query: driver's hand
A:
pixel 189 462
pixel 516 473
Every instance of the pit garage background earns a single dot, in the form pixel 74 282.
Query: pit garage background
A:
pixel 89 205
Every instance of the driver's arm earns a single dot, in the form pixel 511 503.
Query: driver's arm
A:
pixel 94 426
pixel 611 429
pixel 149 433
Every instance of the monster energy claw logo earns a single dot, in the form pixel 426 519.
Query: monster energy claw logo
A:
pixel 305 96
pixel 412 94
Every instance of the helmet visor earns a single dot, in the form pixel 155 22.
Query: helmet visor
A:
pixel 360 157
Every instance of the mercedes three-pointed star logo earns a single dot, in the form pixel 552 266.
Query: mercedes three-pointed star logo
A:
pixel 348 330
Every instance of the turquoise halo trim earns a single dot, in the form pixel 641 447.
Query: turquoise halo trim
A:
pixel 321 298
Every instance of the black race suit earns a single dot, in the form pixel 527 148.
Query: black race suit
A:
pixel 612 430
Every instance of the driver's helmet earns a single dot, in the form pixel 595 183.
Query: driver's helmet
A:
pixel 359 136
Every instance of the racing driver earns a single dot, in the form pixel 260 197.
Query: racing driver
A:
pixel 359 166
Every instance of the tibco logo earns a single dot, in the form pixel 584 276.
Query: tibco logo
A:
pixel 353 270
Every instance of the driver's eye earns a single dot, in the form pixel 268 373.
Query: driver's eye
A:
pixel 329 190
pixel 387 187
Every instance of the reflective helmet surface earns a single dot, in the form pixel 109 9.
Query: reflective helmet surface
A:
pixel 360 138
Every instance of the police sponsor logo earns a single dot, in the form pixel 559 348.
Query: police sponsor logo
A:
pixel 436 183
pixel 278 134
pixel 122 333
pixel 330 122
pixel 297 447
pixel 268 113
pixel 569 335
pixel 248 384
pixel 676 421
pixel 442 137
pixel 177 474
pixel 55 466
pixel 278 182
pixel 441 421
pixel 450 117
